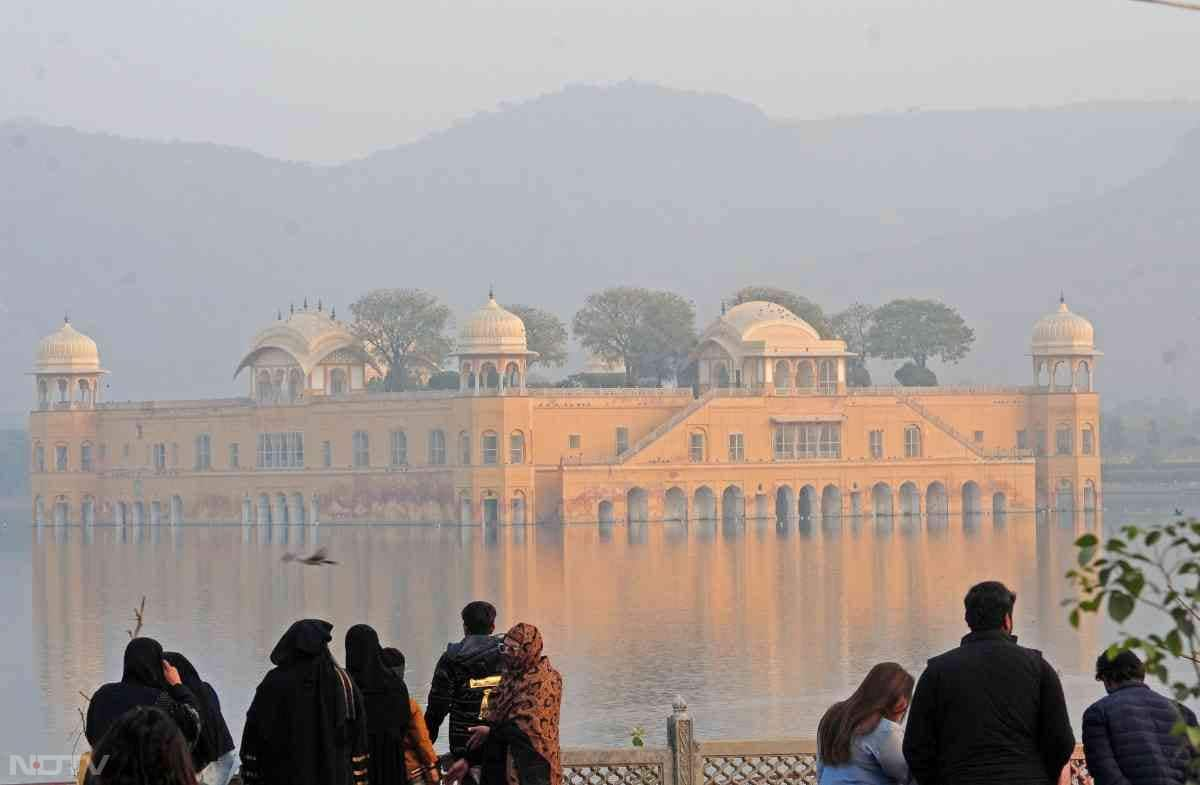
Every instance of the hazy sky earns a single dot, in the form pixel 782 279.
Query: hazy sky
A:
pixel 328 81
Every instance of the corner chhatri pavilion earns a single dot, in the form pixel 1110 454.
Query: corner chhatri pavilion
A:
pixel 772 432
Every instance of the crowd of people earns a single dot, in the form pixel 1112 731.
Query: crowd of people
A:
pixel 986 712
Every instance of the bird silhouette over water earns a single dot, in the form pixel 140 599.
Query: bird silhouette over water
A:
pixel 319 556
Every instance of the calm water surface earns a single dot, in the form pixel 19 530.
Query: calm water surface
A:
pixel 759 627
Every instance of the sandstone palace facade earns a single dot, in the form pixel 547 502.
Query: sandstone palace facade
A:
pixel 772 432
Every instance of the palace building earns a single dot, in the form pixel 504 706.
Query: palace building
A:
pixel 771 432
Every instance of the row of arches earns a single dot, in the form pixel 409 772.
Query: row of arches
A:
pixel 492 509
pixel 124 513
pixel 806 503
pixel 82 393
pixel 1064 375
pixel 805 374
pixel 487 377
pixel 279 508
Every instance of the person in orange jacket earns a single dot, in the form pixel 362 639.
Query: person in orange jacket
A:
pixel 420 759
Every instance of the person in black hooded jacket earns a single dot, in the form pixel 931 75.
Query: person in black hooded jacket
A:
pixel 387 704
pixel 465 676
pixel 989 712
pixel 305 725
pixel 146 680
pixel 213 753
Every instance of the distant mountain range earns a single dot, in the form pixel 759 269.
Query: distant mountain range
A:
pixel 172 255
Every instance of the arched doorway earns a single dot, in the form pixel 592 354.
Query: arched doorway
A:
pixel 675 505
pixel 937 499
pixel 783 375
pixel 517 511
pixel 705 504
pixel 1089 496
pixel 831 502
pixel 785 503
pixel 808 503
pixel 733 505
pixel 972 498
pixel 910 500
pixel 299 514
pixel 1062 376
pixel 637 505
pixel 605 513
pixel 999 503
pixel 176 510
pixel 489 376
pixel 1083 377
pixel 512 376
pixel 806 378
pixel 881 500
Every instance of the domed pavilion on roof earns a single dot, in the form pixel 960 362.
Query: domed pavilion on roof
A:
pixel 773 433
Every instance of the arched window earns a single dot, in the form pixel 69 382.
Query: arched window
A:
pixel 263 386
pixel 804 375
pixel 1062 376
pixel 295 385
pixel 203 453
pixel 64 391
pixel 1087 441
pixel 783 375
pixel 362 449
pixel 491 448
pixel 337 382
pixel 466 376
pixel 85 457
pixel 722 375
pixel 85 392
pixel 696 447
pixel 828 376
pixel 399 448
pixel 43 393
pixel 1083 377
pixel 512 376
pixel 437 448
pixel 489 376
pixel 464 449
pixel 516 447
pixel 39 457
pixel 60 458
pixel 912 442
pixel 1043 374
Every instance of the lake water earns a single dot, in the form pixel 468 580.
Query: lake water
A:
pixel 759 627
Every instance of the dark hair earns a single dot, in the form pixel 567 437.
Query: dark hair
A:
pixel 987 604
pixel 879 693
pixel 143 747
pixel 1126 666
pixel 479 618
pixel 393 658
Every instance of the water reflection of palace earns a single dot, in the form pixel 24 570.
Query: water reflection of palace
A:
pixel 760 625
pixel 772 432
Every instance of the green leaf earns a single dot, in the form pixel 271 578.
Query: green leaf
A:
pixel 1085 556
pixel 1120 606
pixel 1074 618
pixel 1174 644
pixel 1153 537
pixel 1087 541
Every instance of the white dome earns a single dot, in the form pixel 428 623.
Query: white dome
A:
pixel 1063 332
pixel 308 336
pixel 492 330
pixel 746 318
pixel 66 350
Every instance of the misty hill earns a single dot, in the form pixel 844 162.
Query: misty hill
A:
pixel 173 255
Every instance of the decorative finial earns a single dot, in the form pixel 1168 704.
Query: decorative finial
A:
pixel 306 303
pixel 491 292
pixel 279 316
pixel 292 309
pixel 66 318
pixel 333 313
pixel 320 305
pixel 1062 297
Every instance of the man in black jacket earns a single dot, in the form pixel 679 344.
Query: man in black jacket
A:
pixel 989 711
pixel 465 676
pixel 1127 736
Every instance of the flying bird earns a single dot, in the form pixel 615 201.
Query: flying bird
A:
pixel 319 556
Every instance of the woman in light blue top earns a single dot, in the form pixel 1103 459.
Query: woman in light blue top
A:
pixel 859 740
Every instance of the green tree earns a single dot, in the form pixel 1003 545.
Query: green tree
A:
pixel 1153 570
pixel 853 325
pixel 650 332
pixel 545 333
pixel 399 327
pixel 912 375
pixel 443 380
pixel 801 306
pixel 918 330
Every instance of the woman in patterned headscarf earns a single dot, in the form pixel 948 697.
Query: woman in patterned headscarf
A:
pixel 518 745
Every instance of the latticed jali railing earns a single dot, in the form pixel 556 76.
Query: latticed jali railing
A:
pixel 687 761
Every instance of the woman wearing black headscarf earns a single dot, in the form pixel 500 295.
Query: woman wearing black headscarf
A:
pixel 213 754
pixel 305 725
pixel 147 680
pixel 388 710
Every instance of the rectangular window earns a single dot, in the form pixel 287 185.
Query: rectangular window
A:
pixel 437 448
pixel 516 448
pixel 785 443
pixel 912 442
pixel 979 437
pixel 831 440
pixel 1022 440
pixel 622 440
pixel 808 440
pixel 399 448
pixel 490 449
pixel 327 454
pixel 233 456
pixel 1063 442
pixel 279 451
pixel 160 457
pixel 85 458
pixel 574 442
pixel 362 449
pixel 39 458
pixel 875 442
pixel 203 452
pixel 737 447
pixel 1039 441
pixel 696 448
pixel 464 449
pixel 1088 443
